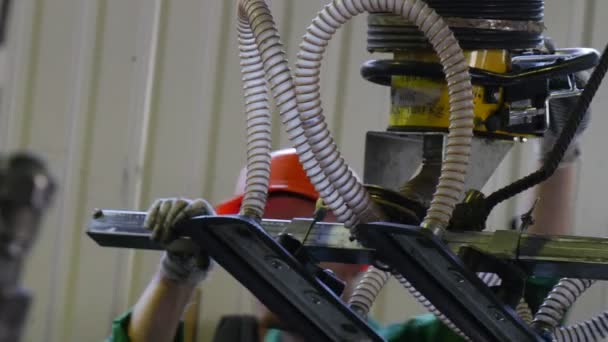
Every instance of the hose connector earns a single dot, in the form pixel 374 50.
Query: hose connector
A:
pixel 436 227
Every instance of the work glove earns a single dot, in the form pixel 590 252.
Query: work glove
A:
pixel 559 111
pixel 182 261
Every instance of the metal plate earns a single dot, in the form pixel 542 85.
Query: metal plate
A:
pixel 386 152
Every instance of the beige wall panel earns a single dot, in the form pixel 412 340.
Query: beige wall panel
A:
pixel 101 174
pixel 41 109
pixel 134 100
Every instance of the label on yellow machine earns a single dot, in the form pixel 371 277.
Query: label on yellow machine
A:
pixel 422 102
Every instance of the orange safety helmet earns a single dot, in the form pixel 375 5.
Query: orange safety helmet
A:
pixel 286 175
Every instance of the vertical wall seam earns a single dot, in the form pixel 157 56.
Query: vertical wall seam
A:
pixel 589 22
pixel 150 114
pixel 32 73
pixel 152 95
pixel 217 98
pixel 84 171
pixel 202 85
pixel 82 71
pixel 134 169
pixel 18 46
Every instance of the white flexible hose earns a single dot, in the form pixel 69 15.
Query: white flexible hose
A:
pixel 309 134
pixel 429 306
pixel 559 300
pixel 490 279
pixel 595 329
pixel 372 282
pixel 259 124
pixel 555 306
pixel 308 68
pixel 255 18
pixel 368 288
pixel 458 146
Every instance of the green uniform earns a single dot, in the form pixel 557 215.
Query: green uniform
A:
pixel 424 328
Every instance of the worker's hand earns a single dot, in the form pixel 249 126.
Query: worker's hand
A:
pixel 183 261
pixel 559 112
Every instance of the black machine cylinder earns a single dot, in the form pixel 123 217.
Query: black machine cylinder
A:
pixel 488 24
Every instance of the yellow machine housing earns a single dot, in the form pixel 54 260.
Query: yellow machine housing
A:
pixel 421 103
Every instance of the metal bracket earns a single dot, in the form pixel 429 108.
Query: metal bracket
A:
pixel 425 261
pixel 274 276
pixel 326 242
pixel 539 255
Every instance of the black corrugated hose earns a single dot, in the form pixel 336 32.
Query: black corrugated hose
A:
pixel 557 153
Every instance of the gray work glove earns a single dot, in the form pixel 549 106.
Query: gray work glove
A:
pixel 559 111
pixel 182 261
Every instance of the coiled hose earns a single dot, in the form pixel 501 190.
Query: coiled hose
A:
pixel 255 18
pixel 490 279
pixel 367 290
pixel 260 45
pixel 376 280
pixel 371 284
pixel 560 299
pixel 259 124
pixel 595 329
pixel 428 305
pixel 553 309
pixel 307 78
